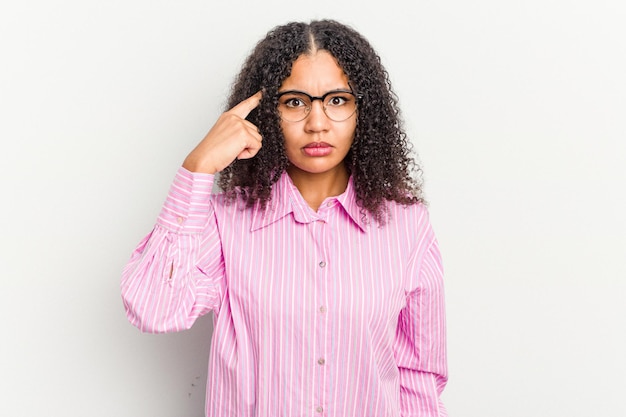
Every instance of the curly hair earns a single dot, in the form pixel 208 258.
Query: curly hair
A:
pixel 379 159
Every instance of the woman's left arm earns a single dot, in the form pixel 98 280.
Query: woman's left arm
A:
pixel 421 339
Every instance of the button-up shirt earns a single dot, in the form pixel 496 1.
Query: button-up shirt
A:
pixel 316 313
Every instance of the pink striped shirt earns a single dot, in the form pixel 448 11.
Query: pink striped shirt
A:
pixel 315 313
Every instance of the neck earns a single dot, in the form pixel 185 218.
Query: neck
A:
pixel 315 188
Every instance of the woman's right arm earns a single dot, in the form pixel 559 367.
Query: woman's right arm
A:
pixel 176 273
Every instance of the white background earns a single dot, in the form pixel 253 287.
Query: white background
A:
pixel 517 110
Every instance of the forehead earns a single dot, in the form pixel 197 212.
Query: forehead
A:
pixel 316 73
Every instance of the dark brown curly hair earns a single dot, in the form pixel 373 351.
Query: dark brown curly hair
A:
pixel 379 159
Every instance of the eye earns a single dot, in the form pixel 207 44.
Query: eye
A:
pixel 337 100
pixel 294 102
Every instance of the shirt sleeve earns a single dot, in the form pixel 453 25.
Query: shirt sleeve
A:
pixel 421 339
pixel 176 273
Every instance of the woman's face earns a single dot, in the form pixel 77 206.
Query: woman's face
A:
pixel 317 144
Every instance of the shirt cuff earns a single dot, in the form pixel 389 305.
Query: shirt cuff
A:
pixel 188 203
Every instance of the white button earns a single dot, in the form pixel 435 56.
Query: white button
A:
pixel 322 264
pixel 180 220
pixel 319 409
pixel 321 361
pixel 322 309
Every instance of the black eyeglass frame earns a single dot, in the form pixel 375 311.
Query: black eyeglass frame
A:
pixel 357 99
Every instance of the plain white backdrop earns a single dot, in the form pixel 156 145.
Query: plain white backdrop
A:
pixel 517 110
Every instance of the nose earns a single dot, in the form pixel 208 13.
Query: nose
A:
pixel 317 120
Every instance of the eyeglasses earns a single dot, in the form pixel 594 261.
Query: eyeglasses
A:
pixel 338 105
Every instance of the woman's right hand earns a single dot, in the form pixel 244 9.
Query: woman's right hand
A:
pixel 231 137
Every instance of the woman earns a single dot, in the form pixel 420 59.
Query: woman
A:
pixel 317 259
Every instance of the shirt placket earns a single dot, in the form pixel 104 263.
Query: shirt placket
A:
pixel 321 355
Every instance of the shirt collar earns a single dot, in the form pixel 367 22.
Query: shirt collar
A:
pixel 286 199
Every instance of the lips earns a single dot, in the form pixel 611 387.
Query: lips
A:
pixel 317 149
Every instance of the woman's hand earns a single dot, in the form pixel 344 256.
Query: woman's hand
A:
pixel 231 137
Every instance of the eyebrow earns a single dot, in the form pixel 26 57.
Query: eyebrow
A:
pixel 337 90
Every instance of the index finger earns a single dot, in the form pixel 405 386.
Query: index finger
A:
pixel 245 107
